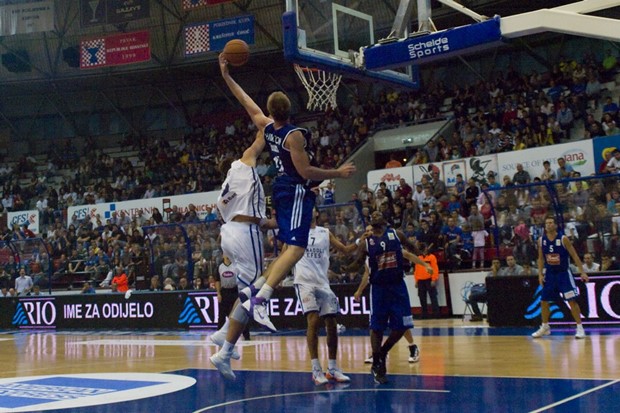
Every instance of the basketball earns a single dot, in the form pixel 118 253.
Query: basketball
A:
pixel 237 52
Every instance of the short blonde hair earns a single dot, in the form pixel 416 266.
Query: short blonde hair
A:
pixel 279 106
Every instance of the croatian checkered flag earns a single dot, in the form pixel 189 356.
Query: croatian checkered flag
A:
pixel 197 39
pixel 192 4
pixel 92 53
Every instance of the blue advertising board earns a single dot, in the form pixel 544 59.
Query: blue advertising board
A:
pixel 602 148
pixel 423 49
pixel 206 37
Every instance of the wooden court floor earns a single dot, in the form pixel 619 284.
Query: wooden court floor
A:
pixel 460 363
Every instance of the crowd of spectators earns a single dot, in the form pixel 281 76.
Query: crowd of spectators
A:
pixel 512 111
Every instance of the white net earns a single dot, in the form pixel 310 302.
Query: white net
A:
pixel 321 87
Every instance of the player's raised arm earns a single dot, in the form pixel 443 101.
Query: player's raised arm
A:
pixel 301 161
pixel 255 112
pixel 253 152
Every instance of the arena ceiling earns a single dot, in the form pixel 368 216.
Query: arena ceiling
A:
pixel 53 86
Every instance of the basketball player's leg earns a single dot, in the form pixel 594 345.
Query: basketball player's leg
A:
pixel 570 292
pixel 400 318
pixel 549 293
pixel 294 219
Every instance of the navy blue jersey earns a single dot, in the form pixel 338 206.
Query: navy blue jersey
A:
pixel 385 258
pixel 554 253
pixel 280 155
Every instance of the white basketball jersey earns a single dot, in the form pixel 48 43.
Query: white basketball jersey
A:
pixel 242 193
pixel 312 267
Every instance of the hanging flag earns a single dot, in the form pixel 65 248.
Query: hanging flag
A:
pixel 119 49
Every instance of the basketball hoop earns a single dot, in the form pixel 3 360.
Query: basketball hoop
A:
pixel 320 85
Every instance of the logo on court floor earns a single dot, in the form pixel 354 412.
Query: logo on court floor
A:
pixel 39 393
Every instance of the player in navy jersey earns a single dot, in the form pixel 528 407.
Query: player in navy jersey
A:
pixel 292 197
pixel 389 297
pixel 557 281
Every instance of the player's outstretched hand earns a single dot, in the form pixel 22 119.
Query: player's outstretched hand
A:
pixel 584 277
pixel 347 169
pixel 223 64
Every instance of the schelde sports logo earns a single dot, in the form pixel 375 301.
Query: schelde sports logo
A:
pixel 428 48
pixel 199 310
pixel 35 313
pixel 27 394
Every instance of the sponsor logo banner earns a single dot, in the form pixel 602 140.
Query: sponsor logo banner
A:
pixel 202 201
pixel 433 46
pixel 577 154
pixel 120 49
pixel 602 147
pixel 24 217
pixel 192 4
pixel 161 310
pixel 97 12
pixel 391 177
pixel 27 17
pixel 207 36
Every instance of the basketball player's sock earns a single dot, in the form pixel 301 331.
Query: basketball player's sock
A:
pixel 265 292
pixel 316 364
pixel 331 364
pixel 251 290
pixel 227 349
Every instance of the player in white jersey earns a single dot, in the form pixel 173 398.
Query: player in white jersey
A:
pixel 241 205
pixel 318 300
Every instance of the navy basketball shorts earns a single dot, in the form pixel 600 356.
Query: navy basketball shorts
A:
pixel 389 307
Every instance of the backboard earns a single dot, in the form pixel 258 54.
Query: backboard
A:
pixel 328 34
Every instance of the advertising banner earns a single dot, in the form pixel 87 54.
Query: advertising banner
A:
pixel 578 154
pixel 602 147
pixel 24 217
pixel 161 310
pixel 212 36
pixel 478 167
pixel 97 12
pixel 120 49
pixel 391 177
pixel 29 17
pixel 451 169
pixel 192 4
pixel 131 208
pixel 442 44
pixel 515 301
pixel 427 169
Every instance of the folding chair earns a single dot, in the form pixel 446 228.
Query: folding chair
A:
pixel 468 311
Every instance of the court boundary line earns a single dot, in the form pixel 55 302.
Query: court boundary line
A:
pixel 576 396
pixel 411 374
pixel 271 396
